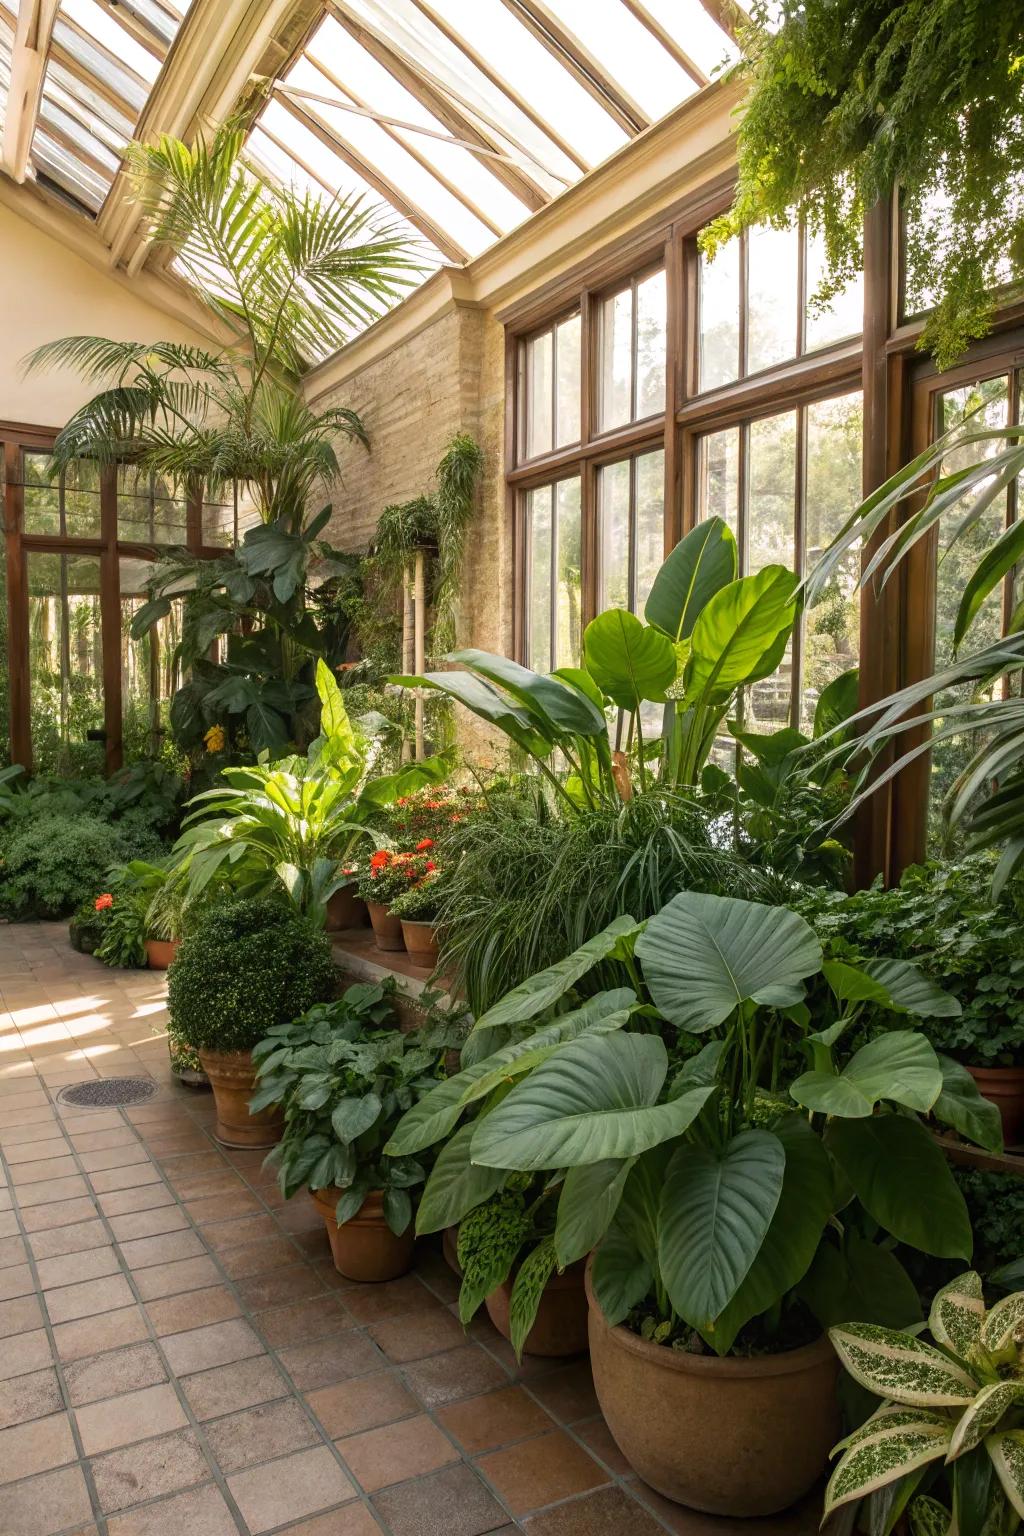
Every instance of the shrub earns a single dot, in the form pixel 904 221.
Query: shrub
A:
pixel 52 863
pixel 247 967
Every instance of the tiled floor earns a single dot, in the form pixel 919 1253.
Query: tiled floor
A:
pixel 178 1356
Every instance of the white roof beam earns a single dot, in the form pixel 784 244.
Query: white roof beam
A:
pixel 32 34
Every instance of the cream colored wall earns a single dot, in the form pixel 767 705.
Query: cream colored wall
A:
pixel 51 292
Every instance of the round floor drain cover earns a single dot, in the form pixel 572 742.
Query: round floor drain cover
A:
pixel 108 1092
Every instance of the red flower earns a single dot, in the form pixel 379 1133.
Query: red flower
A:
pixel 428 842
pixel 379 860
pixel 103 902
pixel 431 866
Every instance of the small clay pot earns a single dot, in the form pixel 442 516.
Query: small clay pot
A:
pixel 387 930
pixel 233 1080
pixel 561 1323
pixel 364 1247
pixel 450 1248
pixel 727 1436
pixel 1004 1087
pixel 421 942
pixel 346 910
pixel 160 953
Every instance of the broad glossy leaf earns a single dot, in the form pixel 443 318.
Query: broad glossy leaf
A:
pixel 741 633
pixel 894 1450
pixel 902 1367
pixel 900 1066
pixel 837 701
pixel 911 990
pixel 595 1100
pixel 702 563
pixel 455 1185
pixel 903 1181
pixel 1006 1449
pixel 703 955
pixel 338 747
pixel 621 1276
pixel 555 709
pixel 962 1106
pixel 487 703
pixel 999 558
pixel 547 987
pixel 600 1015
pixel 628 661
pixel 1003 1321
pixel 715 1211
pixel 984 1414
pixel 352 1116
pixel 433 1116
pixel 860 1283
pixel 587 1205
pixel 958 1312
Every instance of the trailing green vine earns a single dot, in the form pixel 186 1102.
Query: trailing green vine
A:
pixel 851 98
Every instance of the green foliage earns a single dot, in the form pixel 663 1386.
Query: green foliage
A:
pixel 51 862
pixel 995 1204
pixel 249 966
pixel 143 798
pixel 124 936
pixel 851 99
pixel 344 1074
pixel 942 918
pixel 422 901
pixel 490 1237
pixel 87 927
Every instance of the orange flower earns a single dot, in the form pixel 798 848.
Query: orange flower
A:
pixel 380 860
pixel 103 902
pixel 428 842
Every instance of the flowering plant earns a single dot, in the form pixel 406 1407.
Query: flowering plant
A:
pixel 420 902
pixel 388 874
pixel 429 813
pixel 102 903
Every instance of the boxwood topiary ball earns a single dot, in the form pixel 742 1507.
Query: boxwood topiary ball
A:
pixel 248 966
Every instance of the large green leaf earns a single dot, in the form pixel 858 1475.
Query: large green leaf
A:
pixel 903 1181
pixel 912 991
pixel 902 1367
pixel 861 1282
pixel 741 633
pixel 837 701
pixel 587 1205
pixel 901 1066
pixel 555 709
pixel 595 1100
pixel 432 1117
pixel 999 558
pixel 962 1106
pixel 957 1313
pixel 338 746
pixel 600 1015
pixel 716 1208
pixel 455 1185
pixel 793 1235
pixel 621 1276
pixel 894 1449
pixel 546 988
pixel 702 563
pixel 488 704
pixel 627 660
pixel 703 955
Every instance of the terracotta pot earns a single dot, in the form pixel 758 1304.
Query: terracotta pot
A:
pixel 160 953
pixel 561 1324
pixel 421 942
pixel 346 910
pixel 1004 1086
pixel 365 1248
pixel 233 1081
pixel 450 1247
pixel 731 1437
pixel 387 930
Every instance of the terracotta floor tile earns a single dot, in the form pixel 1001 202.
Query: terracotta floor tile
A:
pixel 304 1320
pixel 34 1151
pixel 329 1360
pixel 352 1406
pixel 33 1447
pixel 95 1141
pixel 390 1454
pixel 16 1280
pixel 145 1471
pixel 146 1197
pixel 53 1192
pixel 24 1352
pixel 77 1237
pixel 609 1512
pixel 151 1223
pixel 496 1418
pixel 540 1471
pixel 92 1335
pixel 46 1504
pixel 598 1438
pixel 104 1158
pixel 418 1334
pixel 12 1251
pixel 230 1387
pixel 171 1279
pixel 200 1349
pixel 73 1268
pixel 196 1186
pixel 216 1208
pixel 257 1434
pixel 192 1309
pixel 19 1316
pixel 8 1224
pixel 131 1177
pixel 302 1484
pixel 567 1392
pixel 88 1298
pixel 257 1258
pixel 164 1248
pixel 61 1213
pixel 453 1502
pixel 458 1373
pixel 296 1282
pixel 140 1415
pixel 234 1233
pixel 302 1216
pixel 350 1520
pixel 54 1168
pixel 29 1397
pixel 113 1374
pixel 199 1512
pixel 373 1303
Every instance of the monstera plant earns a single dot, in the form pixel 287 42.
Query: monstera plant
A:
pixel 947 1441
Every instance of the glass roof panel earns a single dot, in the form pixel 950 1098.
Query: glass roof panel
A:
pixel 629 53
pixel 68 170
pixel 99 24
pixel 702 38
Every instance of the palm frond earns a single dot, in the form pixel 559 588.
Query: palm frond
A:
pixel 98 357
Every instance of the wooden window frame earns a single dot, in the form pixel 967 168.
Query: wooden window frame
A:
pixel 15 438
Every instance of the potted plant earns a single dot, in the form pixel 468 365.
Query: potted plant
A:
pixel 248 966
pixel 343 1074
pixel 736 1206
pixel 346 909
pixel 943 917
pixel 388 875
pixel 948 1412
pixel 417 908
pixel 89 923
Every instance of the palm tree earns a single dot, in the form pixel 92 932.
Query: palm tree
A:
pixel 288 277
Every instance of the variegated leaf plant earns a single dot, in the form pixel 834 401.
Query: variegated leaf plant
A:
pixel 960 1395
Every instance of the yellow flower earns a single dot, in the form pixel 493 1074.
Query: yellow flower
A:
pixel 215 739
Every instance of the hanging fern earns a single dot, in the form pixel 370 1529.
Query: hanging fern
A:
pixel 851 98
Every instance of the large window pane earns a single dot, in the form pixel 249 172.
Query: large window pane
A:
pixel 552 378
pixel 615 406
pixel 539 401
pixel 650 522
pixel 554 573
pixel 773 286
pixel 65 663
pixel 148 511
pixel 651 327
pixel 613 514
pixel 61 504
pixel 719 477
pixel 568 574
pixel 771 523
pixel 539 532
pixel 844 315
pixel 832 626
pixel 720 317
pixel 150 672
pixel 568 366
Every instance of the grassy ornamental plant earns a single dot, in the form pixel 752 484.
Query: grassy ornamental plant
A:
pixel 249 966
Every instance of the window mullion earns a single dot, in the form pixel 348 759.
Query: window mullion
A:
pixel 799 544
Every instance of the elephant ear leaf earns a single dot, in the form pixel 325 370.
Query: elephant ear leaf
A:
pixel 900 1066
pixel 888 1447
pixel 902 1367
pixel 701 564
pixel 621 1275
pixel 962 1106
pixel 628 661
pixel 958 1313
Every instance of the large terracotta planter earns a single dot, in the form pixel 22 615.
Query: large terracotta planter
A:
pixel 160 953
pixel 1004 1087
pixel 420 940
pixel 233 1080
pixel 731 1437
pixel 365 1248
pixel 561 1324
pixel 387 930
pixel 346 910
